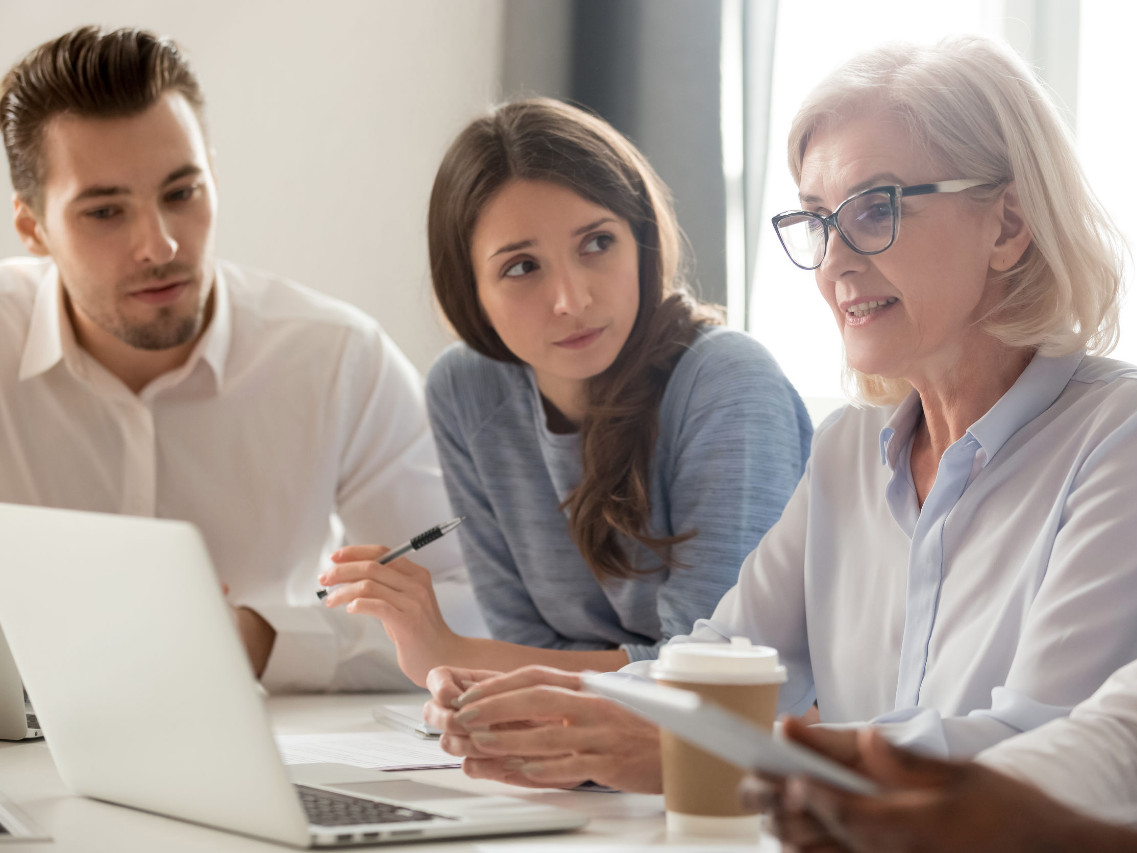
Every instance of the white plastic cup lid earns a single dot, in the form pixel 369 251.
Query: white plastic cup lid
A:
pixel 737 662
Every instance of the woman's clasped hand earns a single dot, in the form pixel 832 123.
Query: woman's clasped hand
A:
pixel 534 727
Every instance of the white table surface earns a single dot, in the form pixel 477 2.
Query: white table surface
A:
pixel 28 778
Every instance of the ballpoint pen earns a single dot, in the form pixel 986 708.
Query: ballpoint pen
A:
pixel 420 541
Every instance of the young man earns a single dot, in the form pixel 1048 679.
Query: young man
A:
pixel 140 375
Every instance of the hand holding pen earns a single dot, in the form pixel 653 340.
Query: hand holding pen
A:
pixel 420 541
pixel 367 580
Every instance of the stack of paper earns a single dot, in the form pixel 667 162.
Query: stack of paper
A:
pixel 374 750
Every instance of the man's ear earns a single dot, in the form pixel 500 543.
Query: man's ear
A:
pixel 28 227
pixel 1014 235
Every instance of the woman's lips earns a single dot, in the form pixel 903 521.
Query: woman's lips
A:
pixel 864 311
pixel 579 340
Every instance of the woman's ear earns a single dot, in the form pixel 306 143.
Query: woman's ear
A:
pixel 1014 235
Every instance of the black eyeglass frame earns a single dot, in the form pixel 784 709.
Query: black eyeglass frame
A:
pixel 895 193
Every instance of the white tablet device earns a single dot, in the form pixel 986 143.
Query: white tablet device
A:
pixel 722 733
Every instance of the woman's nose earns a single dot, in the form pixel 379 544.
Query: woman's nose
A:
pixel 572 293
pixel 840 259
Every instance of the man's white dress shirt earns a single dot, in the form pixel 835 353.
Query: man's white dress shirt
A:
pixel 295 426
pixel 1002 602
pixel 1087 760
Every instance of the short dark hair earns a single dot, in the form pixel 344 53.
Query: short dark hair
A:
pixel 88 72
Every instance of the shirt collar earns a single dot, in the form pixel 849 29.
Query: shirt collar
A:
pixel 1033 393
pixel 902 423
pixel 213 348
pixel 44 346
pixel 51 338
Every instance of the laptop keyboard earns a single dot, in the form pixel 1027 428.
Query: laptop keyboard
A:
pixel 33 722
pixel 325 808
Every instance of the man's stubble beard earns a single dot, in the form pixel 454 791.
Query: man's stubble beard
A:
pixel 166 331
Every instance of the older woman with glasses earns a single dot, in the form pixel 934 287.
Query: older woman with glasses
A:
pixel 959 561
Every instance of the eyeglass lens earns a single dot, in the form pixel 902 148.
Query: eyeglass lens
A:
pixel 867 222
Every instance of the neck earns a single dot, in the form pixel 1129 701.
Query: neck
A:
pixel 556 421
pixel 959 398
pixel 135 368
pixel 565 402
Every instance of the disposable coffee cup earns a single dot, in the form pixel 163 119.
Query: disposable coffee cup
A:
pixel 700 791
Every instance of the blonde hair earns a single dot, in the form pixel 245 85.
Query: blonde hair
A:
pixel 975 107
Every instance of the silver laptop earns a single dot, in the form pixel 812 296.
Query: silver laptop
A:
pixel 104 612
pixel 17 719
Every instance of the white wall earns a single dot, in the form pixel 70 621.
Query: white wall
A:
pixel 328 120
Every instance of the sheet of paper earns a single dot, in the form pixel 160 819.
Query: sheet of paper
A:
pixel 375 750
pixel 409 716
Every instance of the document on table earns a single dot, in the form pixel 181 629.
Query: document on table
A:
pixel 373 750
pixel 407 716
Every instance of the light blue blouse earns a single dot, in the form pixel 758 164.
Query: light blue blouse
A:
pixel 733 439
pixel 1000 604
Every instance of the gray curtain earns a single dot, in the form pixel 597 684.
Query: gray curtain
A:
pixel 653 69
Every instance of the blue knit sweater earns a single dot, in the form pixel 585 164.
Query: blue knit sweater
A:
pixel 732 444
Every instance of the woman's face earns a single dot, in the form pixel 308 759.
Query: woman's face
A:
pixel 910 312
pixel 558 278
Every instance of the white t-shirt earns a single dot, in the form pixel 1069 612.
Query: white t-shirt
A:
pixel 1087 760
pixel 295 425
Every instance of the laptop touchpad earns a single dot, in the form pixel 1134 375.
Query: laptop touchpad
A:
pixel 404 790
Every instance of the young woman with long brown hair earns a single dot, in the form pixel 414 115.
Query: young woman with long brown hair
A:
pixel 616 453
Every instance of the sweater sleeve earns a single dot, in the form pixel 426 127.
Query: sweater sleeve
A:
pixel 509 610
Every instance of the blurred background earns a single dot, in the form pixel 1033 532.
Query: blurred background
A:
pixel 329 119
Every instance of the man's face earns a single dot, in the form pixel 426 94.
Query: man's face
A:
pixel 127 214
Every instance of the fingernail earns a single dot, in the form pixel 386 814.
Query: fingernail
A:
pixel 467 683
pixel 323 579
pixel 483 738
pixel 513 763
pixel 795 794
pixel 530 768
pixel 336 553
pixel 467 697
pixel 464 717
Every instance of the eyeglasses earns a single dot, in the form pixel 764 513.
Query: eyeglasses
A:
pixel 868 222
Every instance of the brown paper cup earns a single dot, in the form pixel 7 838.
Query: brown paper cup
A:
pixel 700 791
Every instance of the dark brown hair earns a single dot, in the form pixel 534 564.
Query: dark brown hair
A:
pixel 87 72
pixel 545 140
